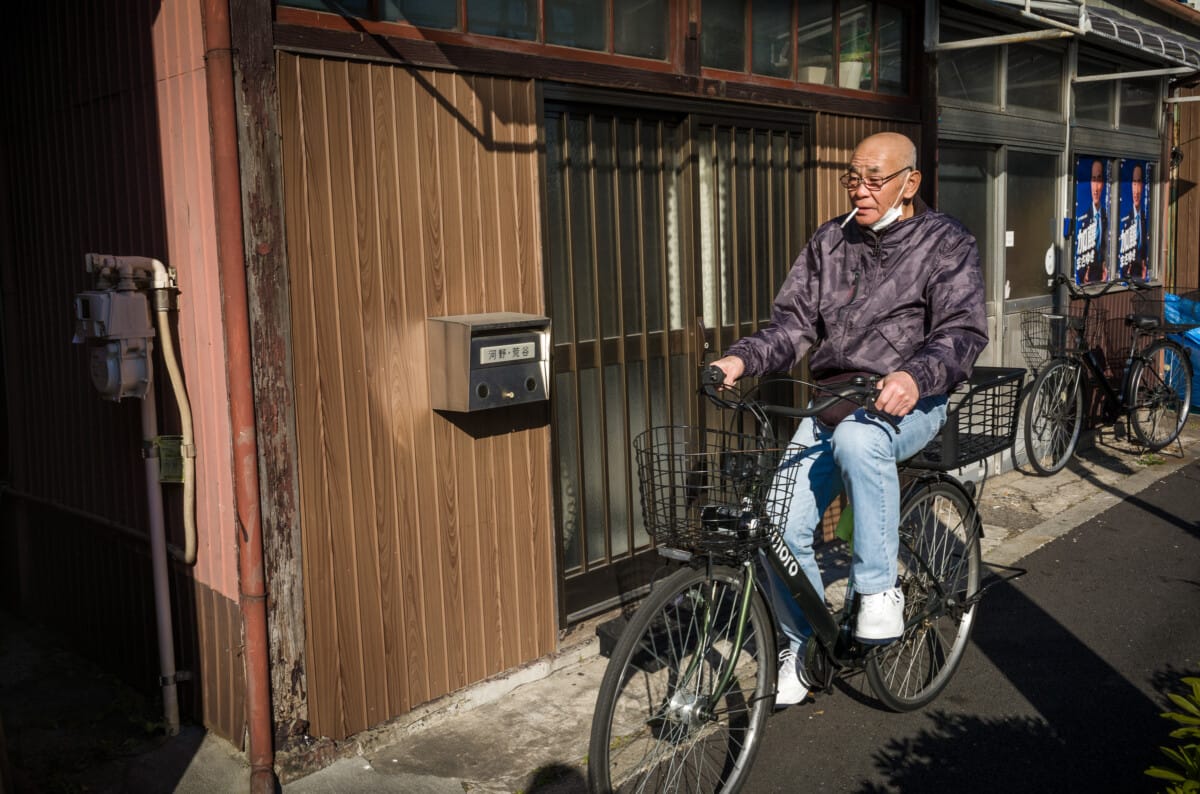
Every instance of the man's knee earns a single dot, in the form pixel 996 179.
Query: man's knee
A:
pixel 855 439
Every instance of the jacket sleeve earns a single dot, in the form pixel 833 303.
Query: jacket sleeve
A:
pixel 957 319
pixel 792 330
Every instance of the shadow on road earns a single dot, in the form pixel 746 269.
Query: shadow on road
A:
pixel 1090 684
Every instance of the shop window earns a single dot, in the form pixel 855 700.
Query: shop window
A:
pixel 511 19
pixel 893 65
pixel 771 49
pixel 1029 230
pixel 1094 101
pixel 638 27
pixel 424 13
pixel 857 44
pixel 1130 104
pixel 723 41
pixel 968 75
pixel 814 42
pixel 1034 79
pixel 577 23
pixel 854 57
pixel 965 175
pixel 1139 104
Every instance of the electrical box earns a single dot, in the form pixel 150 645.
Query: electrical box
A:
pixel 116 327
pixel 481 361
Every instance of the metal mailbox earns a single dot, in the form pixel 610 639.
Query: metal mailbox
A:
pixel 480 361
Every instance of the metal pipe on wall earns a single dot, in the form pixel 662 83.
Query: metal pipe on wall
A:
pixel 218 71
pixel 158 565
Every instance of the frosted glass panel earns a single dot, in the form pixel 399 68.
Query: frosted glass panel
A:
pixel 723 34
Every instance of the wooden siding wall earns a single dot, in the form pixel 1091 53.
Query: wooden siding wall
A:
pixel 1187 229
pixel 104 133
pixel 428 550
pixel 836 137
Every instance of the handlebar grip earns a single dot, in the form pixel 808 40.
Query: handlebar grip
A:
pixel 712 376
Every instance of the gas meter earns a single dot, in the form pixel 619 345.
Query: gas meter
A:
pixel 115 324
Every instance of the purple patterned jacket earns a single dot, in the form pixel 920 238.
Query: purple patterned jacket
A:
pixel 909 298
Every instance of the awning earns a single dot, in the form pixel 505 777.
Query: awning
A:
pixel 1092 22
pixel 1169 45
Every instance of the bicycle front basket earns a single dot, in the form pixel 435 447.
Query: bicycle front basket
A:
pixel 712 491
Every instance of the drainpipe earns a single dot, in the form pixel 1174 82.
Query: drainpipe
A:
pixel 218 69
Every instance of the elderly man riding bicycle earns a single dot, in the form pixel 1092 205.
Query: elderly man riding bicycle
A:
pixel 898 293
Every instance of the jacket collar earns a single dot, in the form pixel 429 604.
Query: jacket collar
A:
pixel 897 230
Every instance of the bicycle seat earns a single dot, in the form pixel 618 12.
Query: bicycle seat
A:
pixel 1143 322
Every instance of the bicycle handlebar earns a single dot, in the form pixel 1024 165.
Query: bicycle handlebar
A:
pixel 1077 291
pixel 860 390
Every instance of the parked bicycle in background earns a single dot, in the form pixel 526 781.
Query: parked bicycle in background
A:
pixel 1154 392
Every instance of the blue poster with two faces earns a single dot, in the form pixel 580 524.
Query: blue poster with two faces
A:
pixel 1091 220
pixel 1133 209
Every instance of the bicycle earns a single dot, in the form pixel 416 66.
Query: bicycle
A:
pixel 1155 393
pixel 692 678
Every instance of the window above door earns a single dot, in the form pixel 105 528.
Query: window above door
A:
pixel 861 45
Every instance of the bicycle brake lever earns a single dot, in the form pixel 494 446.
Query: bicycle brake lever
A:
pixel 891 420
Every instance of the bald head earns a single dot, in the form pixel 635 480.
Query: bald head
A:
pixel 897 150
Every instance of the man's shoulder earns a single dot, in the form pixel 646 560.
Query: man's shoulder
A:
pixel 938 225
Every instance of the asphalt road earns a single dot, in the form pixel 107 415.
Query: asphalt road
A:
pixel 1060 690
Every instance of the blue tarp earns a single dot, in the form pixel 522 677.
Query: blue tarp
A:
pixel 1178 310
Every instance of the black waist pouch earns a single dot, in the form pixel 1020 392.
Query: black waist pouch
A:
pixel 835 413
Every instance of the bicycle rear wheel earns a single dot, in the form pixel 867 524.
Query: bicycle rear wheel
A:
pixel 1054 416
pixel 1160 391
pixel 939 575
pixel 659 724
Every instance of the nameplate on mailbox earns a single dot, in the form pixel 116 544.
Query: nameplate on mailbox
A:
pixel 507 354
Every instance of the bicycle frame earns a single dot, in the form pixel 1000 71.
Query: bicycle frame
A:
pixel 781 575
pixel 830 627
pixel 1117 399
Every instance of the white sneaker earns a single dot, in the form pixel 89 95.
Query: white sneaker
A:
pixel 880 617
pixel 791 687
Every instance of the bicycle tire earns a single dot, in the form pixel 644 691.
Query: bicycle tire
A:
pixel 939 570
pixel 654 727
pixel 1160 393
pixel 1054 416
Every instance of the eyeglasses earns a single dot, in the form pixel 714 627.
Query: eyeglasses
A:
pixel 851 180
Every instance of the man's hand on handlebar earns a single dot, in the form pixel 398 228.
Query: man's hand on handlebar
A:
pixel 898 393
pixel 733 367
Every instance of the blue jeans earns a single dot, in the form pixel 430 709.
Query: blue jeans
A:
pixel 860 456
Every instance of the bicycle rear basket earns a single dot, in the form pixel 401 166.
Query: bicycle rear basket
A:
pixel 712 491
pixel 981 420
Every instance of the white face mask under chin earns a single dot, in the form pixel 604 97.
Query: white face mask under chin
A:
pixel 893 213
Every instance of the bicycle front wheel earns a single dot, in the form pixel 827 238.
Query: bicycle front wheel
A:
pixel 1160 392
pixel 662 721
pixel 1054 416
pixel 939 575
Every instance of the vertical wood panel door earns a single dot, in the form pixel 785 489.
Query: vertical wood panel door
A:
pixel 658 226
pixel 427 545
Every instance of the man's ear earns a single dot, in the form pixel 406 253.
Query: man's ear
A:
pixel 914 184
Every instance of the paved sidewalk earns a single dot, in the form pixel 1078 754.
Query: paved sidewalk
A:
pixel 534 737
pixel 527 731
